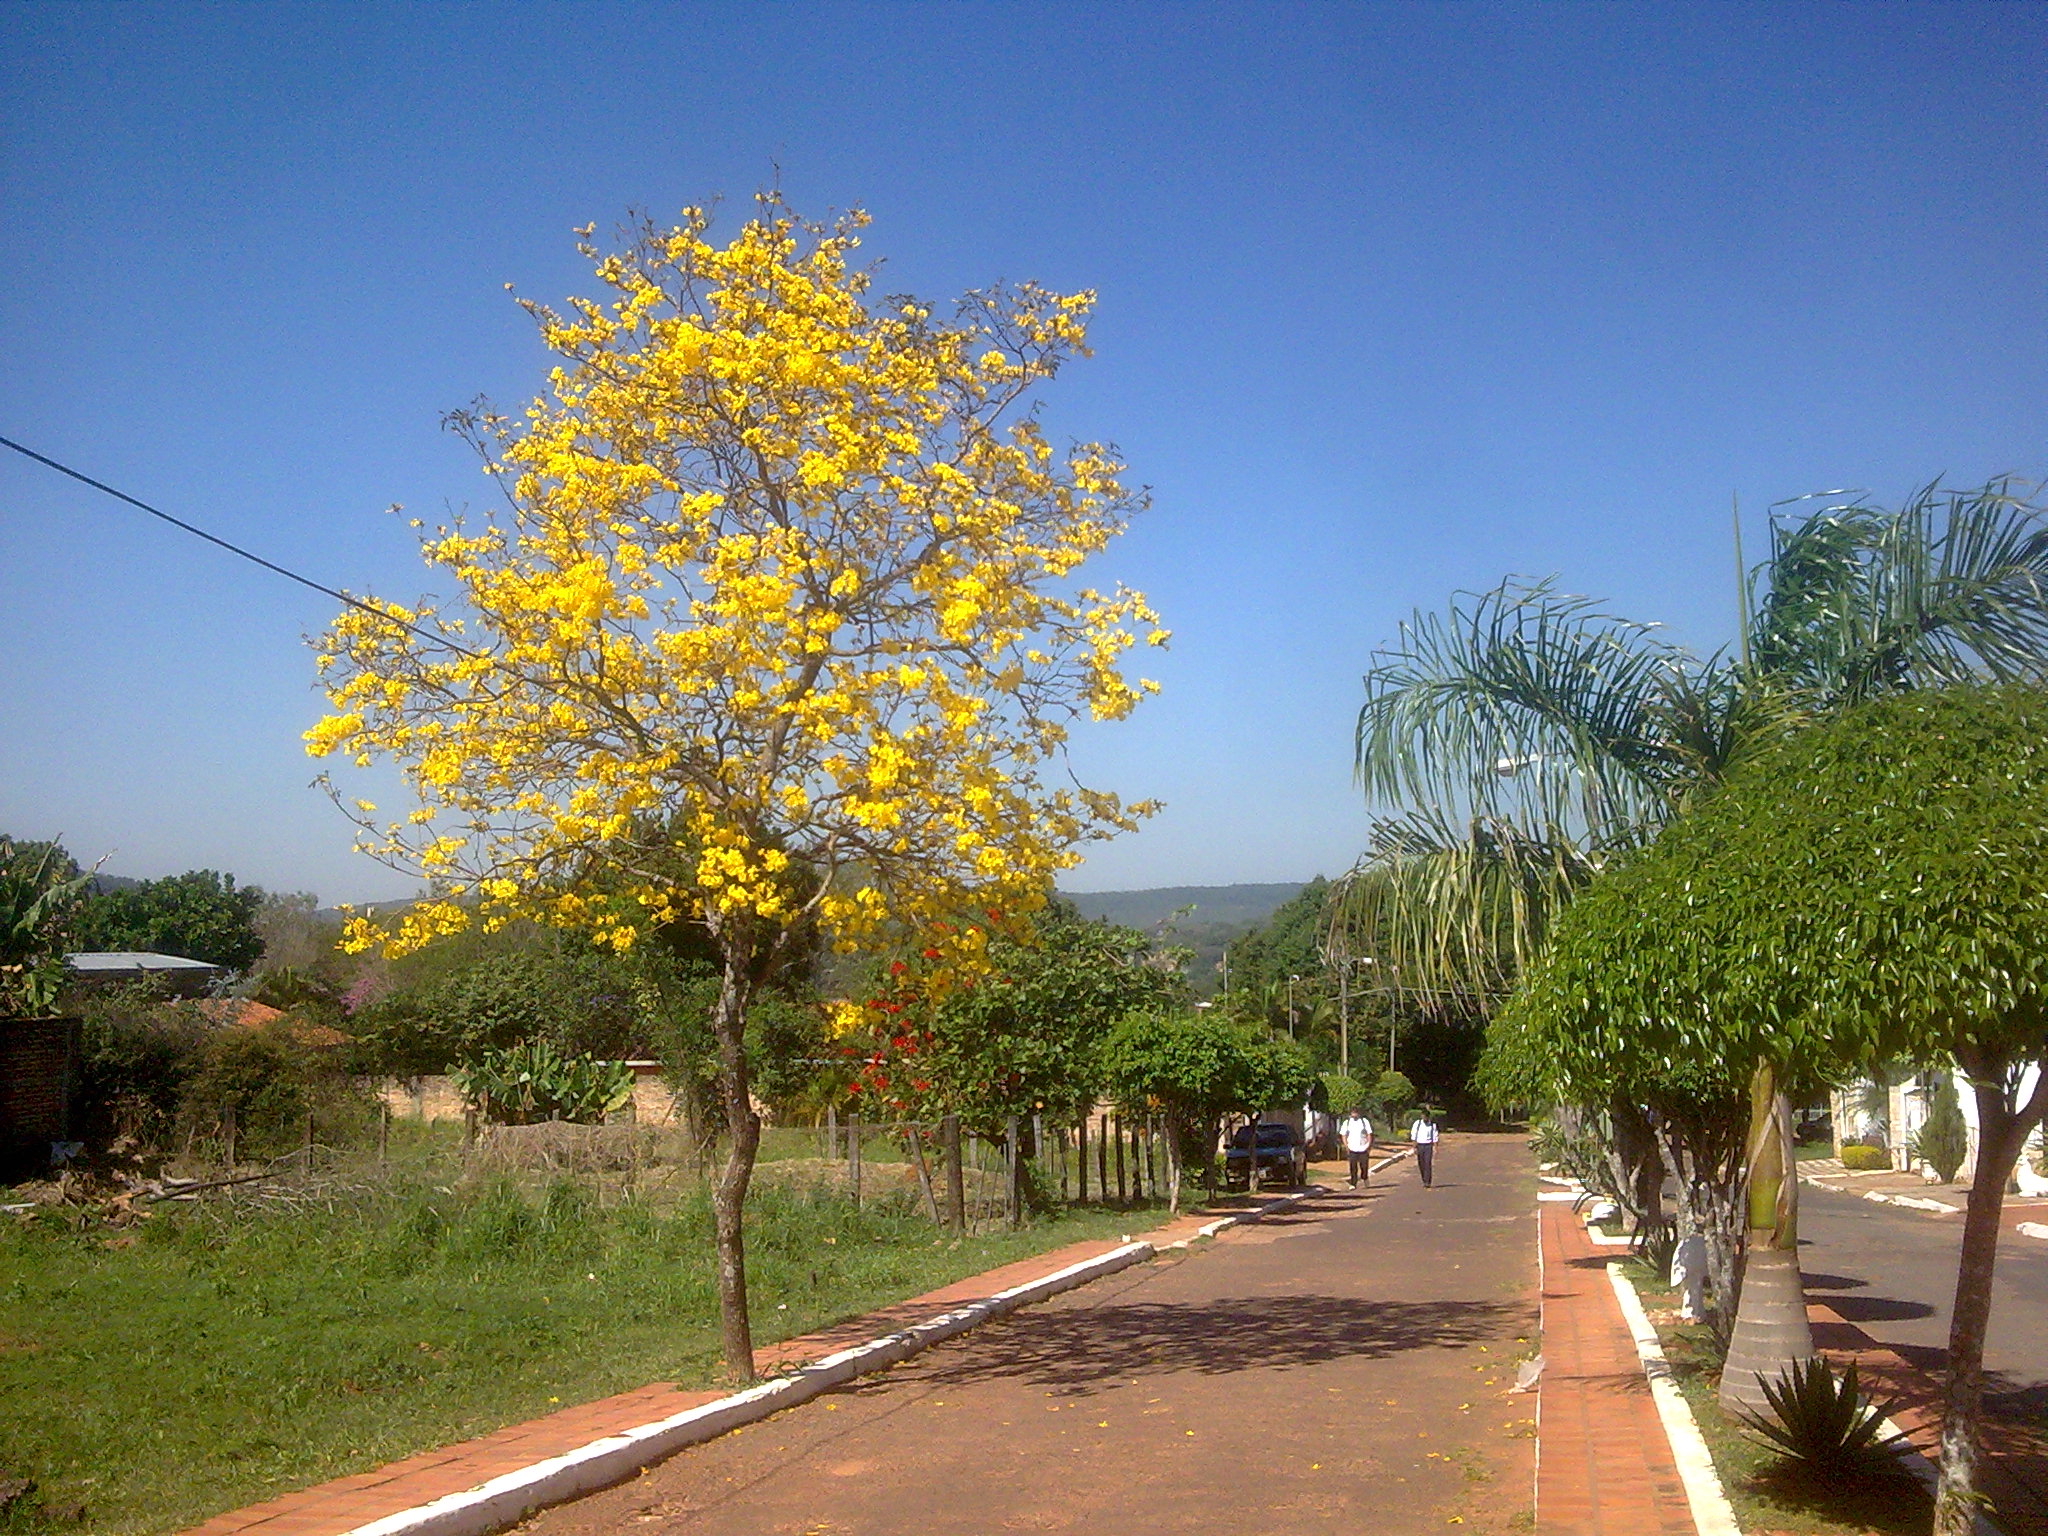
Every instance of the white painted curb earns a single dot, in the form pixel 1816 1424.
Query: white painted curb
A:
pixel 507 1499
pixel 1712 1515
pixel 2031 1229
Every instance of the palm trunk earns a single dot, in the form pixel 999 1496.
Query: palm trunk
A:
pixel 729 1193
pixel 1771 1330
pixel 2001 1132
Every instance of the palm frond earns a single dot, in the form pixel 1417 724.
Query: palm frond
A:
pixel 1523 704
pixel 1952 587
pixel 1456 909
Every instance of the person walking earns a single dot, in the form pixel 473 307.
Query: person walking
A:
pixel 1356 1132
pixel 1423 1133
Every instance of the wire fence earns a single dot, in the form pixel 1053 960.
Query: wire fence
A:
pixel 967 1178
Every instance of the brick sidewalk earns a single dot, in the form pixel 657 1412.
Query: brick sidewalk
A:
pixel 333 1508
pixel 1603 1465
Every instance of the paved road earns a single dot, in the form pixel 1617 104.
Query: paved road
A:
pixel 1341 1369
pixel 1893 1273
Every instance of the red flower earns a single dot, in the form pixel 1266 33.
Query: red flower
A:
pixel 897 967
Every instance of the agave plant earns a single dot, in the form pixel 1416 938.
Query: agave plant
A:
pixel 1825 1423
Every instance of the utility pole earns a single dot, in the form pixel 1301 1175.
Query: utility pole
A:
pixel 1344 1018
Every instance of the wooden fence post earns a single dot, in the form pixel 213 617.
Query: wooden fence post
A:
pixel 1122 1194
pixel 831 1132
pixel 1102 1158
pixel 956 1177
pixel 227 1125
pixel 1081 1161
pixel 383 1128
pixel 853 1158
pixel 924 1174
pixel 1015 1148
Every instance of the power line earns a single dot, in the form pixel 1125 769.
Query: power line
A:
pixel 233 549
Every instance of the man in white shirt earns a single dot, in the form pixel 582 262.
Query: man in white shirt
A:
pixel 1356 1132
pixel 1423 1133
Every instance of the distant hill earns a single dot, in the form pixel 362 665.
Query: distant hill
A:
pixel 1221 913
pixel 1242 906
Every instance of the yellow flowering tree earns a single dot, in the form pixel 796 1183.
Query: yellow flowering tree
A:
pixel 777 634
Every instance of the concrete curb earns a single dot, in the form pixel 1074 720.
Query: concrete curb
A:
pixel 512 1496
pixel 1712 1515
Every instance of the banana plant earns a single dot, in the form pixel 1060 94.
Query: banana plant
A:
pixel 39 887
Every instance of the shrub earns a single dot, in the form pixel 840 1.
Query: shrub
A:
pixel 1943 1141
pixel 1395 1091
pixel 1862 1159
pixel 271 1082
pixel 1824 1422
pixel 137 1054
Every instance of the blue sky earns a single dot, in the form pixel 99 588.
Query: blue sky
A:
pixel 1395 300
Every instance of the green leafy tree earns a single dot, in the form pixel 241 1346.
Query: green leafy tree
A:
pixel 1022 1038
pixel 1527 740
pixel 199 915
pixel 1343 1093
pixel 1874 889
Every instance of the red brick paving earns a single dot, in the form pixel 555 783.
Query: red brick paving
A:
pixel 331 1508
pixel 1604 1467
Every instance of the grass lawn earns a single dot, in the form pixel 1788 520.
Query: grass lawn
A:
pixel 162 1373
pixel 1768 1492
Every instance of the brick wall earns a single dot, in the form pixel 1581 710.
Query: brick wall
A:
pixel 38 1063
pixel 435 1098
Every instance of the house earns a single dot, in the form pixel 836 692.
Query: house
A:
pixel 176 974
pixel 1896 1112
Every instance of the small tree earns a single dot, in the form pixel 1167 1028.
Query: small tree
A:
pixel 779 635
pixel 1944 1140
pixel 1192 1069
pixel 1869 890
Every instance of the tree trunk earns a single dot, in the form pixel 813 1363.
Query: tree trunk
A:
pixel 2001 1133
pixel 1633 1165
pixel 1702 1152
pixel 743 1128
pixel 1173 1165
pixel 1771 1330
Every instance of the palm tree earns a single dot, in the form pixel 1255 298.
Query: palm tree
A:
pixel 1526 737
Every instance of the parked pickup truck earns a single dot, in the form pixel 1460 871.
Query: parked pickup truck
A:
pixel 1281 1154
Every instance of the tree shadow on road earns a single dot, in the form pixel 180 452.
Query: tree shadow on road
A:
pixel 1079 1349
